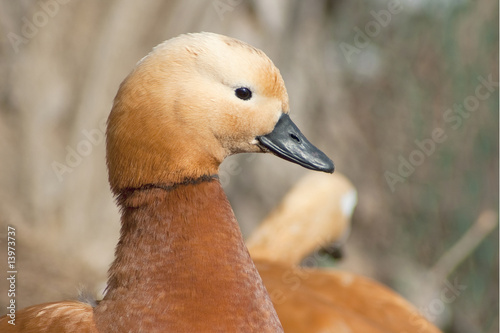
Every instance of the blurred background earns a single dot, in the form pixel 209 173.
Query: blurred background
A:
pixel 402 95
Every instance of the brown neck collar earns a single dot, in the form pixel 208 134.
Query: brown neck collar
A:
pixel 128 191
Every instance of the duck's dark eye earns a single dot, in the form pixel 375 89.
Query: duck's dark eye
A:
pixel 243 93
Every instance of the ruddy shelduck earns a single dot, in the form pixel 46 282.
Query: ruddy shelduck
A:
pixel 181 264
pixel 314 213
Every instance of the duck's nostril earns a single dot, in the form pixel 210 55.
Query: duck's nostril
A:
pixel 295 138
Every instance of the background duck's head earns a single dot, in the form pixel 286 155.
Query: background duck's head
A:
pixel 194 100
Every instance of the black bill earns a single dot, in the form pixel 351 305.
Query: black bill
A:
pixel 287 142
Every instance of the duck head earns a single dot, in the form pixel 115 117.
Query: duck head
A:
pixel 193 101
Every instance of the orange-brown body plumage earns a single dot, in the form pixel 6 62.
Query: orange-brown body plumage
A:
pixel 182 266
pixel 56 317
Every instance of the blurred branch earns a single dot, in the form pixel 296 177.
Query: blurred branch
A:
pixel 484 225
